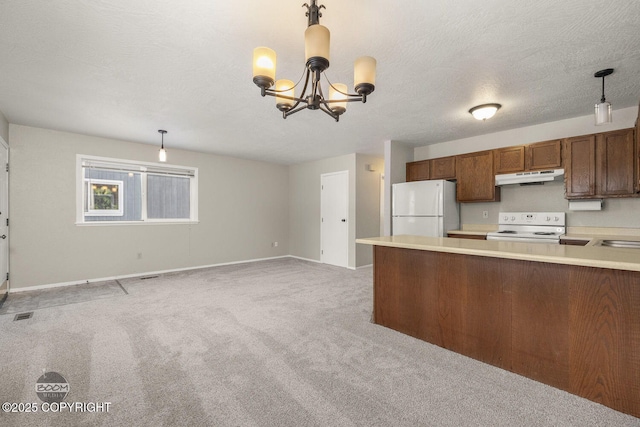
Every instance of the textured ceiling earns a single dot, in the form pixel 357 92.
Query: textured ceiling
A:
pixel 125 68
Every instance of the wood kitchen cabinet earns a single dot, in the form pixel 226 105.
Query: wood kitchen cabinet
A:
pixel 442 168
pixel 580 166
pixel 543 155
pixel 601 165
pixel 418 171
pixel 509 159
pixel 572 327
pixel 531 157
pixel 616 165
pixel 468 236
pixel 476 178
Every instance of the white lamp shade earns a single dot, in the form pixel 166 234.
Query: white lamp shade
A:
pixel 364 71
pixel 335 95
pixel 603 113
pixel 316 42
pixel 264 63
pixel 287 87
pixel 162 155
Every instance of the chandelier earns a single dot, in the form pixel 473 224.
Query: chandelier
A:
pixel 316 47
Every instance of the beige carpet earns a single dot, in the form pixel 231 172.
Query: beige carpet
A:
pixel 275 343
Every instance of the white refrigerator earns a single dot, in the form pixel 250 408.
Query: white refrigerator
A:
pixel 424 208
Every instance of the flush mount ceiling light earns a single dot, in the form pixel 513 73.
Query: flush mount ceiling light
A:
pixel 316 49
pixel 603 109
pixel 162 154
pixel 484 111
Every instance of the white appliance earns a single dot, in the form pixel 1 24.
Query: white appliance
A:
pixel 533 177
pixel 530 227
pixel 424 208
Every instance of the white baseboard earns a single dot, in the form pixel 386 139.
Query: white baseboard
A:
pixel 147 273
pixel 364 266
pixel 305 259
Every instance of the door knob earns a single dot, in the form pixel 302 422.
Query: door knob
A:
pixel 4 236
pixel 343 220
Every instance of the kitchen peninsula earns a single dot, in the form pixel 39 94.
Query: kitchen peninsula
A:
pixel 563 315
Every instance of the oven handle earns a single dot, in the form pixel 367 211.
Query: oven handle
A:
pixel 524 240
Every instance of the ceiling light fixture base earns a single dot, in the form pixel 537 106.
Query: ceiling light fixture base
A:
pixel 484 111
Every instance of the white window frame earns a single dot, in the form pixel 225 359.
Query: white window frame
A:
pixel 143 168
pixel 90 197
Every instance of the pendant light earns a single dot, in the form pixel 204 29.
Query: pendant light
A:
pixel 603 109
pixel 162 154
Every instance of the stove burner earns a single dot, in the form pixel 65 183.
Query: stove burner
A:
pixel 507 232
pixel 544 233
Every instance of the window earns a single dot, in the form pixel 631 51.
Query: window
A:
pixel 121 191
pixel 104 197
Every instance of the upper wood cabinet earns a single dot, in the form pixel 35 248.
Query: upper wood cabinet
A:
pixel 476 180
pixel 443 168
pixel 543 155
pixel 580 166
pixel 538 156
pixel 509 159
pixel 601 165
pixel 418 171
pixel 616 163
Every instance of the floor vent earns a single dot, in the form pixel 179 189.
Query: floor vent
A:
pixel 23 316
pixel 149 277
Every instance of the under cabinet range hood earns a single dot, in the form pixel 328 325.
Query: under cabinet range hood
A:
pixel 532 177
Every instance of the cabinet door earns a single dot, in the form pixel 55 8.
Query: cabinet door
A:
pixel 615 174
pixel 544 155
pixel 580 166
pixel 418 171
pixel 476 179
pixel 509 159
pixel 443 168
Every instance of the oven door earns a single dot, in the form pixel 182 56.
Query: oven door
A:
pixel 524 239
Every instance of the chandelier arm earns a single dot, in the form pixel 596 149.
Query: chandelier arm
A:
pixel 330 113
pixel 339 91
pixel 295 110
pixel 276 93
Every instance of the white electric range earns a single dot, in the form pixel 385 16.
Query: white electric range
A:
pixel 530 227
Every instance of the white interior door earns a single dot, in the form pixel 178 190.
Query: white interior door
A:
pixel 334 225
pixel 4 214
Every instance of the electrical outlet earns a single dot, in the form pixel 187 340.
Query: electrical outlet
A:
pixel 485 214
pixel 274 244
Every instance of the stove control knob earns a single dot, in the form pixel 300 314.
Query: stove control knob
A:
pixel 548 218
pixel 513 218
pixel 556 219
pixel 506 218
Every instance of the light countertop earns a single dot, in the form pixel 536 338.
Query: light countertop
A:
pixel 587 256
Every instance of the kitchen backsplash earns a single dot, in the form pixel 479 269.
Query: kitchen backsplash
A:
pixel 623 212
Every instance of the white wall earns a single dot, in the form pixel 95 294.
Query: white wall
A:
pixel 548 197
pixel 396 156
pixel 622 119
pixel 368 184
pixel 4 128
pixel 304 200
pixel 304 205
pixel 243 208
